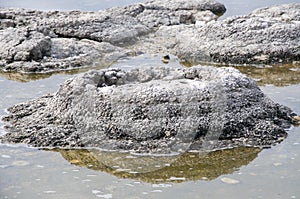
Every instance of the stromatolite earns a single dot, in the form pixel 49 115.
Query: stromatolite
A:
pixel 158 109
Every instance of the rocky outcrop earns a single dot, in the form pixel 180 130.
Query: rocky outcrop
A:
pixel 31 51
pixel 36 41
pixel 154 109
pixel 267 35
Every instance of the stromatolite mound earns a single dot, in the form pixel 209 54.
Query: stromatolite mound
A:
pixel 157 109
pixel 267 35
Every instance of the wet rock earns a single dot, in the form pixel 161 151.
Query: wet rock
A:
pixel 32 51
pixel 152 109
pixel 179 12
pixel 28 45
pixel 36 41
pixel 267 35
pixel 187 29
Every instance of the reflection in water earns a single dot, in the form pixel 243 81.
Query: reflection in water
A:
pixel 27 77
pixel 277 75
pixel 157 169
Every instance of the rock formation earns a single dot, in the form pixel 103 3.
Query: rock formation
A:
pixel 267 35
pixel 154 109
pixel 36 41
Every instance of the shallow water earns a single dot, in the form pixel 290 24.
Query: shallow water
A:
pixel 233 173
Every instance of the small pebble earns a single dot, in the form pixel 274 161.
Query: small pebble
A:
pixel 165 59
pixel 168 133
pixel 297 118
pixel 230 181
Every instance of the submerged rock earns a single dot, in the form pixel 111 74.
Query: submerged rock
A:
pixel 154 109
pixel 36 41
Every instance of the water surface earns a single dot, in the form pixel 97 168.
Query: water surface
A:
pixel 233 173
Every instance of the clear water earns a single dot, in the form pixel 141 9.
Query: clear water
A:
pixel 237 173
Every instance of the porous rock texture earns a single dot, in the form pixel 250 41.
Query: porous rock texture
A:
pixel 37 41
pixel 265 36
pixel 151 109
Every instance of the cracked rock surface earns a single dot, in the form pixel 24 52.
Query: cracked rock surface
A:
pixel 267 35
pixel 33 39
pixel 152 109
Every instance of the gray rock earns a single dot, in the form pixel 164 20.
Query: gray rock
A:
pixel 32 51
pixel 267 35
pixel 187 29
pixel 27 45
pixel 154 109
pixel 36 41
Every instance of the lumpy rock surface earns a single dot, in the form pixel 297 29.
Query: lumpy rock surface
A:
pixel 151 109
pixel 37 41
pixel 266 35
